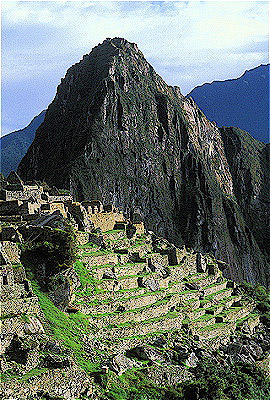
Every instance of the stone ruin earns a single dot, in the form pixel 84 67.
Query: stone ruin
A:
pixel 28 203
pixel 143 285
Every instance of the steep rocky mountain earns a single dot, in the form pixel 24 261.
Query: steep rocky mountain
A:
pixel 116 132
pixel 15 144
pixel 241 102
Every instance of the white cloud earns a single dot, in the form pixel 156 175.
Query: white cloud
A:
pixel 187 42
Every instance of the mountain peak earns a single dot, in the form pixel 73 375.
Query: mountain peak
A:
pixel 121 43
pixel 114 46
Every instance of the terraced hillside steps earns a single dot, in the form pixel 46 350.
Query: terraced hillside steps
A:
pixel 134 291
pixel 126 289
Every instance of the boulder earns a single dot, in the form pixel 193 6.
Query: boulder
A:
pixel 33 326
pixel 182 351
pixel 109 275
pixel 150 283
pixel 146 353
pixel 192 286
pixel 120 363
pixel 200 263
pixel 192 360
pixel 160 342
pixel 161 245
pixel 52 347
pixel 63 286
pixel 54 362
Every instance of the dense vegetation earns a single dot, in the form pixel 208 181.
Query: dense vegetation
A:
pixel 47 252
pixel 213 382
pixel 261 296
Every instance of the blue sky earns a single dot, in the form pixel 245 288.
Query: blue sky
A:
pixel 187 42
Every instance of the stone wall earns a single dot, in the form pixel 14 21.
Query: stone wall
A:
pixel 28 191
pixel 12 252
pixel 67 383
pixel 106 220
pixel 28 305
pixel 60 198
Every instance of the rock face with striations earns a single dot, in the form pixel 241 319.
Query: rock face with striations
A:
pixel 118 133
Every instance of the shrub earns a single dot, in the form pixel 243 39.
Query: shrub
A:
pixel 48 254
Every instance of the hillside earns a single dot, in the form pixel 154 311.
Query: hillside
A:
pixel 15 145
pixel 242 102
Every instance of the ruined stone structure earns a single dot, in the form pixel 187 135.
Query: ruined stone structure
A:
pixel 138 286
pixel 145 285
pixel 22 203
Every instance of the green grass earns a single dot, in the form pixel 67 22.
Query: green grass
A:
pixel 214 326
pixel 115 266
pixel 225 313
pixel 89 292
pixel 138 244
pixel 85 276
pixel 198 279
pixel 169 315
pixel 88 246
pixel 210 297
pixel 122 299
pixel 67 328
pixel 113 231
pixel 251 316
pixel 6 376
pixel 190 300
pixel 97 253
pixel 205 317
pixel 134 310
pixel 186 321
pixel 215 284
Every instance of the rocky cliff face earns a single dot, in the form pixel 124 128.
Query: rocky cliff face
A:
pixel 249 162
pixel 118 133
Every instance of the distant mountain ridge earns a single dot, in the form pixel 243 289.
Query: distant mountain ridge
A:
pixel 242 102
pixel 15 144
